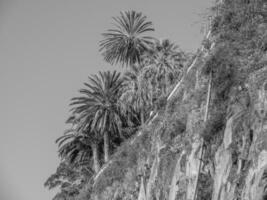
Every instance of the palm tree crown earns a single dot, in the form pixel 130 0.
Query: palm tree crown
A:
pixel 126 42
pixel 165 54
pixel 76 147
pixel 99 107
pixel 166 61
pixel 135 91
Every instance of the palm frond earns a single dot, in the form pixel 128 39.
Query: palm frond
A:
pixel 126 42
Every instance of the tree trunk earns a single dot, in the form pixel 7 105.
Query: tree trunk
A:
pixel 95 157
pixel 106 146
pixel 142 116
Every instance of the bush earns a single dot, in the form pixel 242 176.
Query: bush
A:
pixel 214 126
pixel 205 187
pixel 126 158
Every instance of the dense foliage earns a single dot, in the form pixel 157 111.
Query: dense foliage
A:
pixel 126 42
pixel 112 107
pixel 110 123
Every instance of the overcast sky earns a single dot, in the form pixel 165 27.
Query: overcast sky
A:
pixel 47 50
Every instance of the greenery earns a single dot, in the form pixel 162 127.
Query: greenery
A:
pixel 125 43
pixel 236 30
pixel 239 46
pixel 112 106
pixel 110 121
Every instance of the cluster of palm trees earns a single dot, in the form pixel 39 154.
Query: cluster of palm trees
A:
pixel 112 105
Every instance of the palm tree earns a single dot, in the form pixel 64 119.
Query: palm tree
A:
pixel 99 107
pixel 167 60
pixel 127 41
pixel 147 81
pixel 78 148
pixel 136 92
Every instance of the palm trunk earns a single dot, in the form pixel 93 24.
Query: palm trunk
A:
pixel 106 146
pixel 95 157
pixel 142 117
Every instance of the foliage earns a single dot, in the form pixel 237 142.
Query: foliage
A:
pixel 119 106
pixel 69 180
pixel 214 126
pixel 165 64
pixel 223 68
pixel 238 48
pixel 134 154
pixel 170 127
pixel 74 148
pixel 238 22
pixel 165 54
pixel 125 159
pixel 126 42
pixel 235 28
pixel 146 85
pixel 205 187
pixel 99 109
pixel 99 105
pixel 135 94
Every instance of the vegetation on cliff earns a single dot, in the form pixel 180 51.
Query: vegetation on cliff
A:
pixel 126 133
pixel 113 107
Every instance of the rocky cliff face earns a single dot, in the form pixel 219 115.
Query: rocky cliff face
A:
pixel 238 167
pixel 171 164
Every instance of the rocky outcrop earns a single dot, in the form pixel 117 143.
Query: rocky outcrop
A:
pixel 237 166
pixel 245 177
pixel 256 180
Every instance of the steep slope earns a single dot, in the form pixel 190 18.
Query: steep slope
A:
pixel 210 139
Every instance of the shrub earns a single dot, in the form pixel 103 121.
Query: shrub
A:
pixel 205 187
pixel 214 125
pixel 126 158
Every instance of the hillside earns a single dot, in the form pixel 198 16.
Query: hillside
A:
pixel 208 139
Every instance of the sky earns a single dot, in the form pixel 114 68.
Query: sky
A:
pixel 47 50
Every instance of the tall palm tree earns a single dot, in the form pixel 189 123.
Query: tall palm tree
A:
pixel 136 92
pixel 145 82
pixel 99 106
pixel 126 42
pixel 167 59
pixel 165 53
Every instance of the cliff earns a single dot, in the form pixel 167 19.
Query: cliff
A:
pixel 210 139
